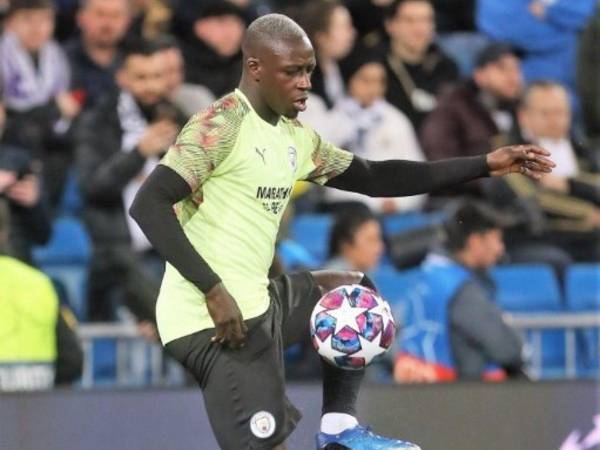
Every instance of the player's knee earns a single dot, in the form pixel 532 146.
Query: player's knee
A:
pixel 331 279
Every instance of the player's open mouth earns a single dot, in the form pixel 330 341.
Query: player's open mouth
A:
pixel 300 104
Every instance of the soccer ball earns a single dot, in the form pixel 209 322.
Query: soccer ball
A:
pixel 352 325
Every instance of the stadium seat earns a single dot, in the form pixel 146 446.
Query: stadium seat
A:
pixel 394 286
pixel 312 232
pixel 527 289
pixel 71 202
pixel 398 223
pixel 65 259
pixel 583 287
pixel 294 256
pixel 583 295
pixel 69 244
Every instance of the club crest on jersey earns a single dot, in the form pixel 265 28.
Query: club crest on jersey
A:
pixel 293 154
pixel 262 424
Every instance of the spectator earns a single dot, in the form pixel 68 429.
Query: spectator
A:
pixel 212 51
pixel 20 187
pixel 545 31
pixel 418 71
pixel 35 81
pixel 372 128
pixel 118 144
pixel 589 82
pixel 95 54
pixel 329 27
pixel 545 119
pixel 151 19
pixel 368 19
pixel 457 329
pixel 479 114
pixel 190 98
pixel 37 347
pixel 567 200
pixel 355 241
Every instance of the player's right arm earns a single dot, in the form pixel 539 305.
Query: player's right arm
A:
pixel 153 210
pixel 201 146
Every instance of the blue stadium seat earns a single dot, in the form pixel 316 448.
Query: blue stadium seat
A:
pixel 71 202
pixel 525 289
pixel 583 295
pixel 294 256
pixel 394 286
pixel 69 244
pixel 65 259
pixel 398 223
pixel 583 287
pixel 312 232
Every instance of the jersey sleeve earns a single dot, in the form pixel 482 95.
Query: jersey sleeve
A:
pixel 206 141
pixel 326 161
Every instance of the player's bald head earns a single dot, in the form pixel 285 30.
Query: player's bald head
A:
pixel 271 32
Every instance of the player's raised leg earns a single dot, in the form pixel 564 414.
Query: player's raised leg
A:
pixel 297 294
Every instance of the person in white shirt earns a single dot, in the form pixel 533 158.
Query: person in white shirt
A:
pixel 366 124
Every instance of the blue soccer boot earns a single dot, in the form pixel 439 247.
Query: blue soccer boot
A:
pixel 360 438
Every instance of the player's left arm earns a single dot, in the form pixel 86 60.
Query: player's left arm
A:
pixel 395 178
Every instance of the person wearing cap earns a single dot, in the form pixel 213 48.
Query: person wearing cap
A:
pixel 478 114
pixel 212 51
pixel 456 330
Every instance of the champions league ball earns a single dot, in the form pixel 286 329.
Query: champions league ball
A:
pixel 352 325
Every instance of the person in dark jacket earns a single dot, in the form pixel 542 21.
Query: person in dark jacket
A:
pixel 212 51
pixel 118 144
pixel 95 54
pixel 418 71
pixel 479 114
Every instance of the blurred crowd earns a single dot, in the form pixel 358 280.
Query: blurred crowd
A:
pixel 93 92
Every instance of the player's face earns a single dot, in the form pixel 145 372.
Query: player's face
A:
pixel 368 84
pixel 547 113
pixel 365 250
pixel 143 76
pixel 285 77
pixel 33 27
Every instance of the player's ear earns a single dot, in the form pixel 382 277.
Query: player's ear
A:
pixel 253 66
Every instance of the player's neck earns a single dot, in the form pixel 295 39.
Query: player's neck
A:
pixel 258 104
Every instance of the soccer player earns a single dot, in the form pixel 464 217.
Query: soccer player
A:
pixel 230 175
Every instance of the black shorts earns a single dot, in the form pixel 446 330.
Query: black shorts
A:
pixel 244 390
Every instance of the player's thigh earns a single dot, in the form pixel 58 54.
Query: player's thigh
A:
pixel 298 292
pixel 243 389
pixel 245 395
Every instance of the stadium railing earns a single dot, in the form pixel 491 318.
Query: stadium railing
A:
pixel 533 324
pixel 136 362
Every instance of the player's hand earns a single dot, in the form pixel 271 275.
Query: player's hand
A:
pixel 529 160
pixel 229 324
pixel 157 138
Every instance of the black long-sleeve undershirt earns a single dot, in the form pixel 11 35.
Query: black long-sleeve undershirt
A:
pixel 152 209
pixel 153 206
pixel 400 178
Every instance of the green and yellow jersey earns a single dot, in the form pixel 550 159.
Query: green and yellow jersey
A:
pixel 241 170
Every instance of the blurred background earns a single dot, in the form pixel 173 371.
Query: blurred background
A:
pixel 495 284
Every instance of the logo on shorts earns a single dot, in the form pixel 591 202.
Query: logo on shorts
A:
pixel 262 424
